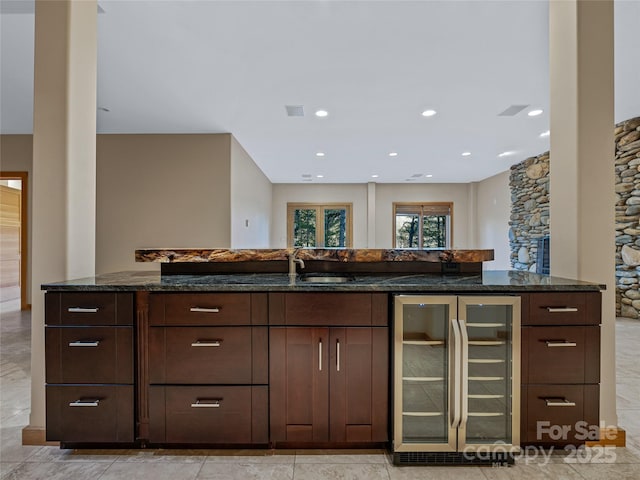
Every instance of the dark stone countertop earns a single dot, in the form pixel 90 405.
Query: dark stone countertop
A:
pixel 489 282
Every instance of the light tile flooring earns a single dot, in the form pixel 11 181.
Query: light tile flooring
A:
pixel 52 463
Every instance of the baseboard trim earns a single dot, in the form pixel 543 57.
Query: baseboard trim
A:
pixel 610 437
pixel 36 436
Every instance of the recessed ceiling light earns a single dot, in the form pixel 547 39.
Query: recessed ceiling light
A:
pixel 393 154
pixel 320 154
pixel 375 176
pixel 534 113
pixel 321 113
pixel 466 154
pixel 545 134
pixel 429 176
pixel 429 113
pixel 319 176
pixel 506 154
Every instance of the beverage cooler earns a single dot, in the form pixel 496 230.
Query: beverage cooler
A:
pixel 456 379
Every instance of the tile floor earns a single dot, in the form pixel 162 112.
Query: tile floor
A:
pixel 52 463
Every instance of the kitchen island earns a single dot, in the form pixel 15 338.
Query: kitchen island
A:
pixel 263 359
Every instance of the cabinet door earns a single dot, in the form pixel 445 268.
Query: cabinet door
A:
pixel 299 382
pixel 358 387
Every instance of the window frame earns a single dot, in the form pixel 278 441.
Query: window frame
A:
pixel 320 209
pixel 420 211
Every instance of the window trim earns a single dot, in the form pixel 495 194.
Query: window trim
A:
pixel 423 204
pixel 320 208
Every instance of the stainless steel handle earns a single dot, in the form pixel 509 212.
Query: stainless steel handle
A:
pixel 561 309
pixel 84 343
pixel 464 380
pixel 552 402
pixel 455 397
pixel 82 309
pixel 205 310
pixel 207 403
pixel 338 355
pixel 320 355
pixel 206 343
pixel 85 403
pixel 562 343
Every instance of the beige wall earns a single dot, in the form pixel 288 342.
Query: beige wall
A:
pixel 493 208
pixel 387 194
pixel 16 155
pixel 355 194
pixel 160 191
pixel 251 194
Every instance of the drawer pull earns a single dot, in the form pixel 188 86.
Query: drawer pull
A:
pixel 554 343
pixel 206 343
pixel 84 343
pixel 561 309
pixel 82 309
pixel 85 403
pixel 204 310
pixel 215 403
pixel 559 402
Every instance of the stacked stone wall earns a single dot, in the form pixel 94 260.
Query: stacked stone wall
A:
pixel 529 182
pixel 627 165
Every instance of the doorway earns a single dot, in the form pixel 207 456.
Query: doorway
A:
pixel 13 241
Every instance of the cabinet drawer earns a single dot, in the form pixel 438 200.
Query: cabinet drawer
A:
pixel 190 355
pixel 561 414
pixel 207 309
pixel 566 308
pixel 561 354
pixel 208 415
pixel 89 354
pixel 91 413
pixel 327 309
pixel 89 308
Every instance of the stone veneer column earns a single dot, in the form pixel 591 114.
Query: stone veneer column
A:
pixel 64 166
pixel 582 178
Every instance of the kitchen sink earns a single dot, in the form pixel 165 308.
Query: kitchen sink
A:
pixel 325 278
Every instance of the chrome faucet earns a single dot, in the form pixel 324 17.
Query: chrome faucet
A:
pixel 292 264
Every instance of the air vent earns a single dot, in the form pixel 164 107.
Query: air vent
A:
pixel 306 175
pixel 416 175
pixel 294 110
pixel 512 110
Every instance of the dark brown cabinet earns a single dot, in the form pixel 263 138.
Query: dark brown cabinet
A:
pixel 328 384
pixel 208 368
pixel 560 367
pixel 89 351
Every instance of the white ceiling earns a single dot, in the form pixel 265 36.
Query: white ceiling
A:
pixel 232 66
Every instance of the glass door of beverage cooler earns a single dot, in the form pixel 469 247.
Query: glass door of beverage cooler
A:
pixel 424 383
pixel 490 327
pixel 456 373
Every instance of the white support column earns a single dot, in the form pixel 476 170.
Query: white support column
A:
pixel 472 218
pixel 371 215
pixel 582 150
pixel 64 166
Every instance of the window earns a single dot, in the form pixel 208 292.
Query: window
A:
pixel 422 225
pixel 321 226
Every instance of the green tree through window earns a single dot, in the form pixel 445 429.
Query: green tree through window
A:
pixel 319 225
pixel 425 225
